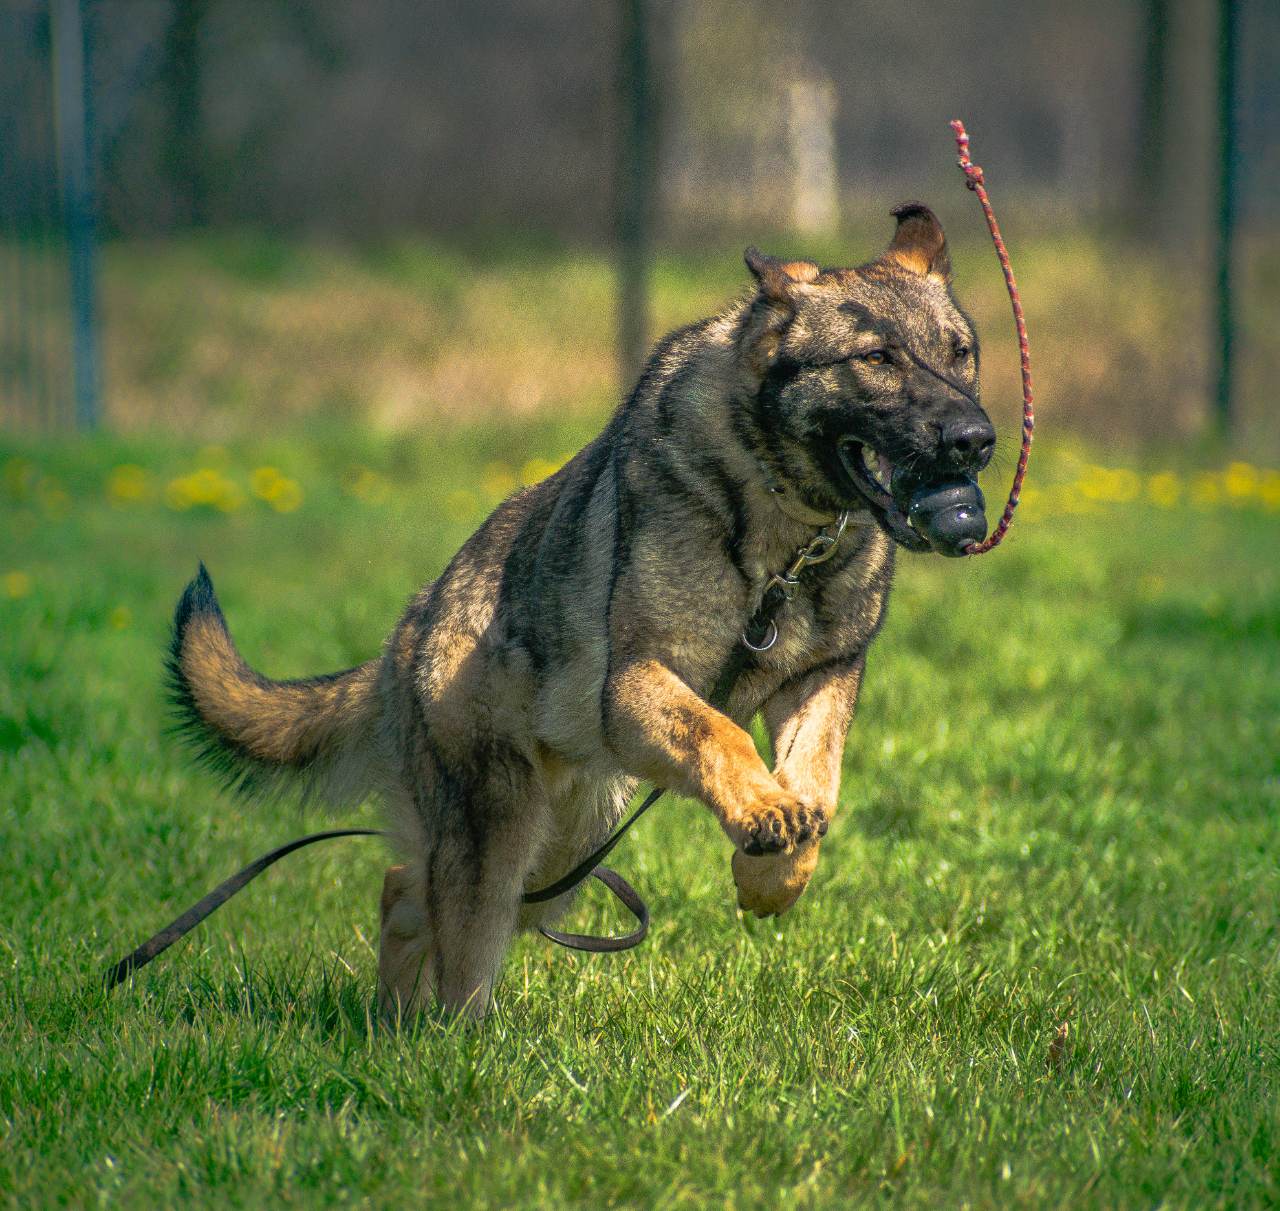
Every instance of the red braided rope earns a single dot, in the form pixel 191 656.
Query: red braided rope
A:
pixel 973 178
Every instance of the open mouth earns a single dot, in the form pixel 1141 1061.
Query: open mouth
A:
pixel 946 516
pixel 871 474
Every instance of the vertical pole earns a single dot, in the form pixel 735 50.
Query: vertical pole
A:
pixel 635 189
pixel 184 139
pixel 75 139
pixel 1228 34
pixel 1151 125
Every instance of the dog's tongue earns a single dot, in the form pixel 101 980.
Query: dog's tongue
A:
pixel 949 514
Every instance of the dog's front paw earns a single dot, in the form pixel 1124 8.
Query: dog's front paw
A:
pixel 772 883
pixel 778 824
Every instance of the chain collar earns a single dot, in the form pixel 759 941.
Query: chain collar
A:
pixel 781 586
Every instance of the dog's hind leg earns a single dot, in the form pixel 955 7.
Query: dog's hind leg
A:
pixel 449 928
pixel 476 914
pixel 447 933
pixel 404 945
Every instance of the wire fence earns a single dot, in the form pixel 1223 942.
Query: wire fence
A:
pixel 36 378
pixel 363 122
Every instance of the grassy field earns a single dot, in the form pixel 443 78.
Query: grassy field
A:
pixel 1039 965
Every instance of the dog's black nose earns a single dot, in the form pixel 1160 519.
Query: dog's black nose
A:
pixel 970 443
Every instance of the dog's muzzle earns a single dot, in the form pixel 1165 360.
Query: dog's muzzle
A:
pixel 921 514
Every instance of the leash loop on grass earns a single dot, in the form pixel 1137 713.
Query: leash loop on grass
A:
pixel 976 182
pixel 594 944
pixel 178 928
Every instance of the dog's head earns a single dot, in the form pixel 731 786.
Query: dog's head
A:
pixel 864 386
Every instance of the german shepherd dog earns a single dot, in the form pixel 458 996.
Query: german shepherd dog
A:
pixel 567 651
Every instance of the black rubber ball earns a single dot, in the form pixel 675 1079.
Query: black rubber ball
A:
pixel 950 515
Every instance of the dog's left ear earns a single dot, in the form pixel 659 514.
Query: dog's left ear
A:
pixel 778 279
pixel 779 284
pixel 919 244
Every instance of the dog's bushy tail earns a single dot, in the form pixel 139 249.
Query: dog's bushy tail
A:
pixel 264 735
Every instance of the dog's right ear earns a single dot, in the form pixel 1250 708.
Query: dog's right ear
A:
pixel 777 279
pixel 919 243
pixel 779 285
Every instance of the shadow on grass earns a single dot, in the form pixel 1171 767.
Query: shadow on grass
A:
pixel 1213 619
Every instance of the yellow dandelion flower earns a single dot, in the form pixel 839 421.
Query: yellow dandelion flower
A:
pixel 286 495
pixel 1164 489
pixel 119 618
pixel 128 484
pixel 1125 485
pixel 204 486
pixel 498 480
pixel 1241 480
pixel 263 481
pixel 1112 485
pixel 366 485
pixel 1269 489
pixel 460 505
pixel 177 494
pixel 16 584
pixel 1068 500
pixel 1092 484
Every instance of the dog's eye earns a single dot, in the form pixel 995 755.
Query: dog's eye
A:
pixel 875 357
pixel 961 352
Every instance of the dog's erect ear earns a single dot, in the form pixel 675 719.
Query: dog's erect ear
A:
pixel 778 279
pixel 780 284
pixel 919 243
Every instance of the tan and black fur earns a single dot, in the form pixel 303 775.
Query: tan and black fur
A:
pixel 566 652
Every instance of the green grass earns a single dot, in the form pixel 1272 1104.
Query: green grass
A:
pixel 1060 805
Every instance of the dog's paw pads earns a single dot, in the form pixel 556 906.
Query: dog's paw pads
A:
pixel 781 826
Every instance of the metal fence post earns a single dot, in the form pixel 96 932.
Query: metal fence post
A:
pixel 74 109
pixel 1228 37
pixel 635 189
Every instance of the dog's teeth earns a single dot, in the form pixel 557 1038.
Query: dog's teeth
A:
pixel 879 469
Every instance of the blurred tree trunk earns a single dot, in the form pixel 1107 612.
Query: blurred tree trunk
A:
pixel 184 150
pixel 811 130
pixel 1228 202
pixel 1149 203
pixel 636 159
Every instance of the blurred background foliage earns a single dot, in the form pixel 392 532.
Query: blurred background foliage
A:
pixel 405 213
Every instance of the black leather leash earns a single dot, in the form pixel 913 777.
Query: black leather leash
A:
pixel 181 926
pixel 759 635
